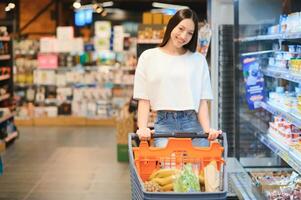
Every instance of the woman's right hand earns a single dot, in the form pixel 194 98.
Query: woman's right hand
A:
pixel 144 133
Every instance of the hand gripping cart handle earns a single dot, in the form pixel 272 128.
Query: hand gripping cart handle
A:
pixel 145 159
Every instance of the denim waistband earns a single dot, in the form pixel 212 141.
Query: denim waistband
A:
pixel 175 114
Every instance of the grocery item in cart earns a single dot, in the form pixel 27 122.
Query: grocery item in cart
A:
pixel 187 180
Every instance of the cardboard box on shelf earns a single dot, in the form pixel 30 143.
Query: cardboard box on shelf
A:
pixel 65 32
pixel 49 61
pixel 157 18
pixel 48 45
pixel 147 18
pixel 166 19
pixel 102 29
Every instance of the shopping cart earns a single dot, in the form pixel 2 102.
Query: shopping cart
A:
pixel 144 159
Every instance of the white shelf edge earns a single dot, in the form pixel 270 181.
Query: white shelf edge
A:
pixel 257 53
pixel 280 36
pixel 283 74
pixel 4 77
pixel 4 38
pixel 5 57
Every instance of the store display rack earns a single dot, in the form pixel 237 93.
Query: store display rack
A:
pixel 280 73
pixel 285 151
pixel 288 114
pixel 282 36
pixel 6 97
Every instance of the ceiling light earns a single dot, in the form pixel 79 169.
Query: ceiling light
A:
pixel 77 4
pixel 170 6
pixel 11 5
pixel 7 9
pixel 107 4
pixel 99 9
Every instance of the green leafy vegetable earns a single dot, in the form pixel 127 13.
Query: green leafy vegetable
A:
pixel 186 180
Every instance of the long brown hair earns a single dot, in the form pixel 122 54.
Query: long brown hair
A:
pixel 175 20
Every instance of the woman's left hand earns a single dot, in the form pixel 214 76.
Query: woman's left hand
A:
pixel 213 134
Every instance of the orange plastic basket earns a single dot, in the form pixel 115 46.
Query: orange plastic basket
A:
pixel 178 151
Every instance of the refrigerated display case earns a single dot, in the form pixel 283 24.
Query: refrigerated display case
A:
pixel 267 82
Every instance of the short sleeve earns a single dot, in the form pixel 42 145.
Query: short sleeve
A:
pixel 140 82
pixel 206 91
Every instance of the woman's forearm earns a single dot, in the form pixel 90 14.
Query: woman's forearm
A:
pixel 203 116
pixel 143 112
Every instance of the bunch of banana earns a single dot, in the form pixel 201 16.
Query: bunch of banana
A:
pixel 164 177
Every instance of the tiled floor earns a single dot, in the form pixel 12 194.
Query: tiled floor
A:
pixel 62 163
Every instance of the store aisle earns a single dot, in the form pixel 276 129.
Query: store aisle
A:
pixel 62 163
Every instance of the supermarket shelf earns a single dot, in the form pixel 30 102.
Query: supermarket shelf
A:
pixel 284 151
pixel 23 122
pixel 65 121
pixel 287 114
pixel 281 36
pixel 4 38
pixel 149 41
pixel 283 74
pixel 288 52
pixel 257 53
pixel 100 122
pixel 260 37
pixel 11 136
pixel 5 57
pixel 4 97
pixel 4 77
pixel 7 117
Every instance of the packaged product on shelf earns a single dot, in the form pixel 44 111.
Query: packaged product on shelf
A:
pixel 102 29
pixel 91 108
pixel 48 45
pixel 40 95
pixel 65 109
pixel 78 45
pixel 61 80
pixel 47 61
pixel 118 38
pixel 39 111
pixel 63 94
pixel 30 94
pixel 293 22
pixel 147 18
pixel 282 23
pixel 51 111
pixel 269 181
pixel 65 32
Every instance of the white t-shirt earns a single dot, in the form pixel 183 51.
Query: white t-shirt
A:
pixel 172 82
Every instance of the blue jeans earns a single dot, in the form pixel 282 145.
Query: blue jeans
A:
pixel 178 121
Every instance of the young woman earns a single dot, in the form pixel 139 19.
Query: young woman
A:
pixel 173 79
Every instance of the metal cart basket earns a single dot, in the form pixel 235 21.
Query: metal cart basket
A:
pixel 144 159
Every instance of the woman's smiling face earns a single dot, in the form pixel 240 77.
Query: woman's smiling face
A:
pixel 182 33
